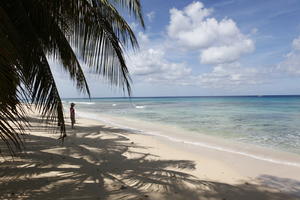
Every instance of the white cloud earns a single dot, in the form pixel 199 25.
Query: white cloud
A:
pixel 193 29
pixel 224 75
pixel 291 64
pixel 150 65
pixel 219 43
pixel 143 38
pixel 224 54
pixel 181 22
pixel 151 16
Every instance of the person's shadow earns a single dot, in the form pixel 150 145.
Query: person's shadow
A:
pixel 90 165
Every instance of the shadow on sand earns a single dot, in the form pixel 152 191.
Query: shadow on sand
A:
pixel 91 166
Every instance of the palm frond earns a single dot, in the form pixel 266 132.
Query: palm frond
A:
pixel 32 29
pixel 134 7
pixel 55 43
pixel 12 115
pixel 101 50
pixel 93 28
pixel 35 71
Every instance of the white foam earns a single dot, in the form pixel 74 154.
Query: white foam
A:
pixel 85 103
pixel 139 107
pixel 201 144
pixel 114 104
pixel 218 148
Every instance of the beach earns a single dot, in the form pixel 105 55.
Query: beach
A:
pixel 149 100
pixel 99 160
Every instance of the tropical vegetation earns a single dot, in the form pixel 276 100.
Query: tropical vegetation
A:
pixel 34 31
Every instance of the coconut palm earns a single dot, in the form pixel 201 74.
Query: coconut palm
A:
pixel 32 31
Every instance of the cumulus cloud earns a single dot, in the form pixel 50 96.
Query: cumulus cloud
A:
pixel 230 74
pixel 291 64
pixel 228 53
pixel 218 41
pixel 150 65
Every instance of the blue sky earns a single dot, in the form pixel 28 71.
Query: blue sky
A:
pixel 210 47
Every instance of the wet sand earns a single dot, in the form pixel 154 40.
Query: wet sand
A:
pixel 101 161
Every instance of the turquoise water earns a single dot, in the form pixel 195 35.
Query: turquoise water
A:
pixel 270 121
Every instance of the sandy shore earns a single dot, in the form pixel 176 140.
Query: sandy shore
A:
pixel 100 161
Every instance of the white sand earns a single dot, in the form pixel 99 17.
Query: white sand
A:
pixel 99 161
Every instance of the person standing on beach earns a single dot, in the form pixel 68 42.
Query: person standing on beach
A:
pixel 72 115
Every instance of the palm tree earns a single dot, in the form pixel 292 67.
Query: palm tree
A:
pixel 33 30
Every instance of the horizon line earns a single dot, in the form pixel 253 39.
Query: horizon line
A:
pixel 191 96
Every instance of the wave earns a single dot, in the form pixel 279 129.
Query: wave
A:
pixel 85 103
pixel 139 107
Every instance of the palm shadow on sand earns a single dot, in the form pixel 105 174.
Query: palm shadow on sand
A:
pixel 89 166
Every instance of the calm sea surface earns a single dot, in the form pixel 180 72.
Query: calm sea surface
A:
pixel 269 121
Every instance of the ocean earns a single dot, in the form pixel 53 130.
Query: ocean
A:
pixel 268 121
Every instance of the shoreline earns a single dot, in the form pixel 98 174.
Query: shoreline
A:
pixel 102 161
pixel 181 136
pixel 210 164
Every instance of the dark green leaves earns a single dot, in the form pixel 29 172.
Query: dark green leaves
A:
pixel 31 30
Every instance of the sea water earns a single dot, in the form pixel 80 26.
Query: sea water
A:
pixel 267 121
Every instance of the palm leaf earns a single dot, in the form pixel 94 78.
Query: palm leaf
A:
pixel 54 42
pixel 35 70
pixel 12 115
pixel 32 29
pixel 134 7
